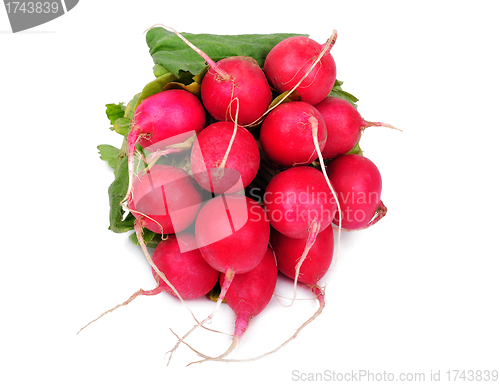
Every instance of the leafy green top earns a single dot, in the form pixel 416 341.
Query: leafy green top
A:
pixel 173 54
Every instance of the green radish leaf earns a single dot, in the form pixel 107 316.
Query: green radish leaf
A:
pixel 293 97
pixel 109 154
pixel 116 193
pixel 159 70
pixel 356 150
pixel 173 54
pixel 114 111
pixel 122 126
pixel 154 87
pixel 130 109
pixel 338 92
pixel 150 238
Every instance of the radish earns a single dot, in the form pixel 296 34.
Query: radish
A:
pixel 165 200
pixel 291 59
pixel 164 119
pixel 298 200
pixel 232 232
pixel 248 296
pixel 232 81
pixel 358 183
pixel 299 204
pixel 179 258
pixel 315 265
pixel 286 134
pixel 344 125
pixel 237 77
pixel 225 160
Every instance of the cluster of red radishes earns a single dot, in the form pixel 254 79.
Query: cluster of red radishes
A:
pixel 246 191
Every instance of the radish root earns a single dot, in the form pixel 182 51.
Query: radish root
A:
pixel 314 123
pixel 320 295
pixel 377 124
pixel 228 279
pixel 139 292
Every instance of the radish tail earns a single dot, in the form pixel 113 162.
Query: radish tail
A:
pixel 314 228
pixel 241 325
pixel 134 296
pixel 314 123
pixel 228 279
pixel 366 124
pixel 379 214
pixel 320 295
pixel 235 130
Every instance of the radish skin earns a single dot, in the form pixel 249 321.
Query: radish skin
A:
pixel 286 134
pixel 344 125
pixel 161 120
pixel 166 199
pixel 358 183
pixel 290 60
pixel 218 173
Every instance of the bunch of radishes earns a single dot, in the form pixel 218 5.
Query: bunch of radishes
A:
pixel 247 175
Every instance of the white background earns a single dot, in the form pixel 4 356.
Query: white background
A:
pixel 418 292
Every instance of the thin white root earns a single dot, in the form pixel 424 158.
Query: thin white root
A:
pixel 229 276
pixel 313 234
pixel 314 123
pixel 132 297
pixel 320 295
pixel 367 124
pixel 226 155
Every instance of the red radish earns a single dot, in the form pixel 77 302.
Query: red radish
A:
pixel 164 119
pixel 180 261
pixel 248 295
pixel 315 265
pixel 187 271
pixel 300 204
pixel 290 60
pixel 297 198
pixel 233 81
pixel 221 171
pixel 165 199
pixel 344 125
pixel 286 134
pixel 358 184
pixel 232 232
pixel 237 77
